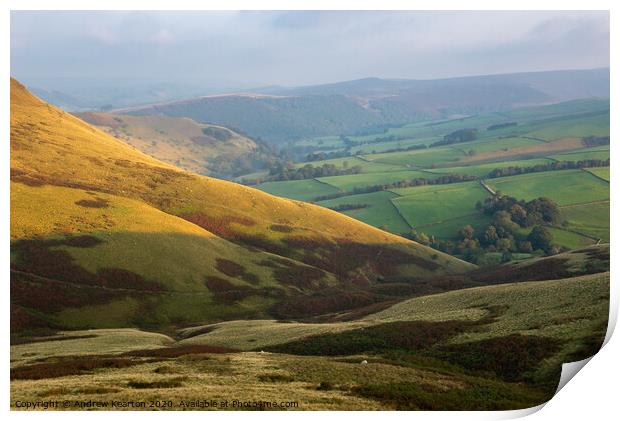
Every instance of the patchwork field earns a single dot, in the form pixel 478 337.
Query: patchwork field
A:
pixel 519 139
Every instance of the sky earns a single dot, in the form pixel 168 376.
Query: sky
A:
pixel 252 49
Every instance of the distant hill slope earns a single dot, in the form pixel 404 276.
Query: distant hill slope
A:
pixel 370 104
pixel 200 148
pixel 103 235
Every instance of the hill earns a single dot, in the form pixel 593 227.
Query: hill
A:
pixel 200 148
pixel 372 104
pixel 103 235
pixel 492 347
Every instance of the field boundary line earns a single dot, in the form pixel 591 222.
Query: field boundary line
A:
pixel 591 237
pixel 329 185
pixel 540 139
pixel 400 214
pixel 574 205
pixel 487 187
pixel 363 158
pixel 596 176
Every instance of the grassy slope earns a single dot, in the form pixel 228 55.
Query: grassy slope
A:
pixel 175 140
pixel 563 309
pixel 571 313
pixel 60 158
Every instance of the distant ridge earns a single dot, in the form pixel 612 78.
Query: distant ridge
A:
pixel 371 104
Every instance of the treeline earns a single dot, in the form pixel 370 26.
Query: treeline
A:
pixel 349 206
pixel 504 234
pixel 550 166
pixel 322 156
pixel 592 141
pixel 458 136
pixel 501 125
pixel 405 149
pixel 414 182
pixel 287 171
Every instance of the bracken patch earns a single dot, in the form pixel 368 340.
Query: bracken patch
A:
pixel 177 351
pixel 508 357
pixel 97 203
pixel 69 366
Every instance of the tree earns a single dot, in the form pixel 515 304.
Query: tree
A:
pixel 518 214
pixel 490 235
pixel 525 247
pixel 466 233
pixel 505 244
pixel 503 222
pixel 541 238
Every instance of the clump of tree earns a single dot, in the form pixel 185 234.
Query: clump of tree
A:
pixel 550 166
pixel 524 214
pixel 504 235
pixel 349 206
pixel 283 171
pixel 405 148
pixel 501 125
pixel 321 156
pixel 458 136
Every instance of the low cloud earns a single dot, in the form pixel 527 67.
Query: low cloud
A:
pixel 297 48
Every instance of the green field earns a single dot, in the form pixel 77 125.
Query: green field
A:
pixel 448 229
pixel 587 124
pixel 306 190
pixel 570 239
pixel 423 158
pixel 483 170
pixel 590 219
pixel 436 204
pixel 349 182
pixel 493 145
pixel 380 213
pixel 564 187
pixel 354 161
pixel 600 172
pixel 592 153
